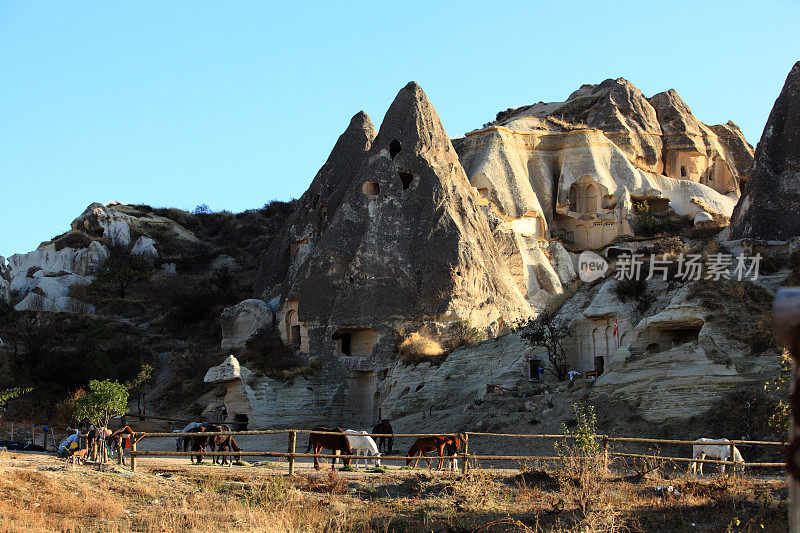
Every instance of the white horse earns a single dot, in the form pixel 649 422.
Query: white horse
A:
pixel 719 449
pixel 362 444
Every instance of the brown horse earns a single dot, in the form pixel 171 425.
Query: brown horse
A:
pixel 334 443
pixel 225 443
pixel 424 445
pixel 453 446
pixel 200 442
pixel 122 439
pixel 384 443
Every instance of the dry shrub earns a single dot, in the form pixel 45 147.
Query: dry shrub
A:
pixel 418 347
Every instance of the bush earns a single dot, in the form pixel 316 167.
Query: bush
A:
pixel 626 289
pixel 645 219
pixel 463 334
pixel 419 348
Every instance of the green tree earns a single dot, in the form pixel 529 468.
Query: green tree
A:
pixel 121 270
pixel 544 332
pixel 584 433
pixel 462 333
pixel 104 400
pixel 10 394
pixel 780 416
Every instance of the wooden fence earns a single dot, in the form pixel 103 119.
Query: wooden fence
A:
pixel 605 443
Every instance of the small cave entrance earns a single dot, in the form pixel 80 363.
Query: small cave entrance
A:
pixel 682 335
pixel 535 370
pixel 241 421
pixel 683 171
pixel 356 342
pixel 371 188
pixel 394 148
pixel 599 365
pixel 407 178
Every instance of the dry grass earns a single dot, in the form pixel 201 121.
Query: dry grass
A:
pixel 42 496
pixel 418 347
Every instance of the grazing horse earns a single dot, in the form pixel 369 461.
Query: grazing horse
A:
pixel 334 443
pixel 424 445
pixel 384 443
pixel 182 443
pixel 362 444
pixel 200 442
pixel 716 449
pixel 225 443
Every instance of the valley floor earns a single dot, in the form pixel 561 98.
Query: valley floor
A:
pixel 38 493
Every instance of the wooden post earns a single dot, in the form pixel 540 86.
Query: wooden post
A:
pixel 133 453
pixel 33 435
pixel 45 439
pixel 466 454
pixel 604 451
pixel 292 442
pixel 53 438
pixel 12 431
pixel 733 458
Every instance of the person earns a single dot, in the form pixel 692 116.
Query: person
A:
pixel 70 444
pixel 224 413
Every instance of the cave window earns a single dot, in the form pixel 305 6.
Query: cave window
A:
pixel 296 336
pixel 653 348
pixel 407 178
pixel 394 148
pixel 683 171
pixel 599 365
pixel 535 370
pixel 314 203
pixel 370 187
pixel 346 340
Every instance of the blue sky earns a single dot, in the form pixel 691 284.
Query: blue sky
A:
pixel 237 103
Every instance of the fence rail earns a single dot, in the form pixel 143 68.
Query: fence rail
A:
pixel 465 456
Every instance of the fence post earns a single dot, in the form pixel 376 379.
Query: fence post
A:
pixel 604 451
pixel 53 438
pixel 466 454
pixel 45 439
pixel 133 453
pixel 12 431
pixel 733 458
pixel 292 441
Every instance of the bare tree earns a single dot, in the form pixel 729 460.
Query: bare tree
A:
pixel 544 332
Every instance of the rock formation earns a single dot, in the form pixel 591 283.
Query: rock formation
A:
pixel 578 167
pixel 242 320
pixel 770 204
pixel 407 242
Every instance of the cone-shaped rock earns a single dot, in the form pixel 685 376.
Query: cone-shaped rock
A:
pixel 315 208
pixel 409 241
pixel 769 207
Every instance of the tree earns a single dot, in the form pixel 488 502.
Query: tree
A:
pixel 543 332
pixel 104 400
pixel 138 384
pixel 121 270
pixel 462 333
pixel 10 394
pixel 781 415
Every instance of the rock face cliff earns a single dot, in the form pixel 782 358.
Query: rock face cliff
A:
pixel 580 168
pixel 770 204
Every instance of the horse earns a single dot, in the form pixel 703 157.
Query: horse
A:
pixel 452 447
pixel 95 443
pixel 718 449
pixel 122 439
pixel 424 445
pixel 360 443
pixel 384 443
pixel 224 443
pixel 199 442
pixel 335 443
pixel 182 443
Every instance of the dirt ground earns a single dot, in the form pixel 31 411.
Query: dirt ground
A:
pixel 37 492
